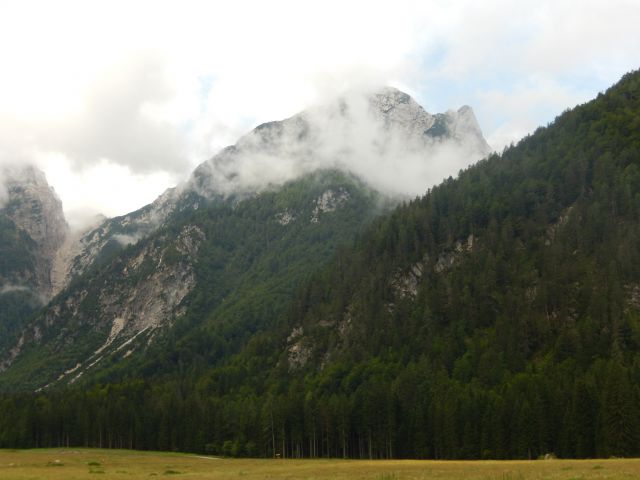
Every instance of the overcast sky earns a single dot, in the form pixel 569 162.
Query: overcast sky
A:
pixel 117 101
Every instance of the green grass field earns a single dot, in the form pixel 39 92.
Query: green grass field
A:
pixel 71 464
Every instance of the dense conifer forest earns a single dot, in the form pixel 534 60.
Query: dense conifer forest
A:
pixel 497 316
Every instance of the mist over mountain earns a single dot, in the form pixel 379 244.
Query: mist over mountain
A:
pixel 384 142
pixel 384 138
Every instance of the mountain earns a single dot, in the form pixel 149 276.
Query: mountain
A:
pixel 384 138
pixel 191 263
pixel 32 229
pixel 497 316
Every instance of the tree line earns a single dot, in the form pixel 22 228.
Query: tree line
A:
pixel 391 411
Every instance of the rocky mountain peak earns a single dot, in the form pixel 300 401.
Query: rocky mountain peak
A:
pixel 399 110
pixel 389 98
pixel 384 137
pixel 34 206
pixel 35 209
pixel 464 127
pixel 370 134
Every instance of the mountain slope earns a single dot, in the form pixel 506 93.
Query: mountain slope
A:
pixel 501 311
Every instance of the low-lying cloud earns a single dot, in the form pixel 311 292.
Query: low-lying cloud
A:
pixel 9 288
pixel 124 239
pixel 378 137
pixel 10 169
pixel 147 90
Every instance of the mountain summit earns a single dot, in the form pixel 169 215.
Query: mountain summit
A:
pixel 400 110
pixel 385 138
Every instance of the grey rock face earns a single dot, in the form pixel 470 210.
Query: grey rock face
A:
pixel 83 251
pixel 36 210
pixel 144 293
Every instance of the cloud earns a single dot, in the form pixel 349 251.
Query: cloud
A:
pixel 35 299
pixel 8 288
pixel 3 193
pixel 104 187
pixel 109 121
pixel 125 240
pixel 158 88
pixel 117 122
pixel 474 50
pixel 151 89
pixel 523 104
pixel 9 167
pixel 375 136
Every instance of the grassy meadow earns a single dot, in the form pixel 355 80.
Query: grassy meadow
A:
pixel 71 464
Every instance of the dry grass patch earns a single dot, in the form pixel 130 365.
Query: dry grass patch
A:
pixel 78 464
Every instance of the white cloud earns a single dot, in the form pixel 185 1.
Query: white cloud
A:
pixel 379 136
pixel 524 103
pixel 8 288
pixel 112 189
pixel 146 90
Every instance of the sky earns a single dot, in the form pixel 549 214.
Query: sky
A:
pixel 117 101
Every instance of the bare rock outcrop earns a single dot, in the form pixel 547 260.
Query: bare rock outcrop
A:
pixel 35 209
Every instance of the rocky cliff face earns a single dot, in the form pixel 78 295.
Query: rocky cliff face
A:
pixel 413 123
pixel 86 248
pixel 139 293
pixel 36 212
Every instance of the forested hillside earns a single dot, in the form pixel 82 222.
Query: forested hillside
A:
pixel 498 316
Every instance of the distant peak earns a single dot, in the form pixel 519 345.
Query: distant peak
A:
pixel 24 174
pixel 394 94
pixel 389 98
pixel 466 115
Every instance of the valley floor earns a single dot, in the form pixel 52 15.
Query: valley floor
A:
pixel 74 464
